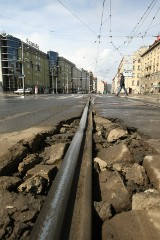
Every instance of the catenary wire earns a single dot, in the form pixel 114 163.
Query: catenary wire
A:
pixel 77 17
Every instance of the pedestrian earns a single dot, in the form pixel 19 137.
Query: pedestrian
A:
pixel 122 84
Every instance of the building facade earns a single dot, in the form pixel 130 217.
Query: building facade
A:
pixel 150 81
pixel 137 70
pixel 141 70
pixel 10 67
pixel 23 65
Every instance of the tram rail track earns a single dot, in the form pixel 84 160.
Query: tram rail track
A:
pixel 54 216
pixel 76 204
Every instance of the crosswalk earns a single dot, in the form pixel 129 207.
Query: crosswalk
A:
pixel 60 97
pixel 45 97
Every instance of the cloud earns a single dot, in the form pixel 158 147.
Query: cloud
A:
pixel 73 32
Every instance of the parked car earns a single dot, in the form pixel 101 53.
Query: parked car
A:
pixel 20 91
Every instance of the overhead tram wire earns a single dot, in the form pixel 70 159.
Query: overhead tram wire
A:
pixel 77 17
pixel 145 34
pixel 99 36
pixel 110 29
pixel 139 24
pixel 147 14
pixel 152 21
pixel 143 16
pixel 133 33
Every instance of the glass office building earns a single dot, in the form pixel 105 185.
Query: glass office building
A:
pixel 10 67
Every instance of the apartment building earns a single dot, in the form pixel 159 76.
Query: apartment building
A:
pixel 150 81
pixel 65 72
pixel 137 70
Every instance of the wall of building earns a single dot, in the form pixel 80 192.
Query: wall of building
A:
pixel 150 81
pixel 142 70
pixel 100 87
pixel 23 64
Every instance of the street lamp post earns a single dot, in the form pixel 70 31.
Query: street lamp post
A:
pixel 23 76
pixel 67 83
pixel 52 81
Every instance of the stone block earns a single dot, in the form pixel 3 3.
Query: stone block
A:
pixel 55 152
pixel 34 185
pixel 152 167
pixel 28 162
pixel 116 134
pixel 153 145
pixel 146 200
pixel 115 154
pixel 137 174
pixel 102 164
pixel 45 171
pixel 101 120
pixel 135 225
pixel 113 191
pixel 103 210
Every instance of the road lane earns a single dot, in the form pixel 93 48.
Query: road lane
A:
pixel 143 115
pixel 18 113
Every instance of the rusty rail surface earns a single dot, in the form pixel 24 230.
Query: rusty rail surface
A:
pixel 51 218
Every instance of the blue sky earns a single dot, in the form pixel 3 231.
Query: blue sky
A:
pixel 93 34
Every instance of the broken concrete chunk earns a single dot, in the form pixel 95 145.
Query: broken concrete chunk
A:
pixel 55 152
pixel 101 120
pixel 137 174
pixel 113 191
pixel 114 154
pixel 47 172
pixel 152 167
pixel 34 185
pixel 28 162
pixel 135 225
pixel 116 134
pixel 103 209
pixel 146 200
pixel 153 145
pixel 102 164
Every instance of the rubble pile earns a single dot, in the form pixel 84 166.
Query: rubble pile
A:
pixel 26 176
pixel 124 193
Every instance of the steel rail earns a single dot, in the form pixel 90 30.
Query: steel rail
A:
pixel 50 220
pixel 86 232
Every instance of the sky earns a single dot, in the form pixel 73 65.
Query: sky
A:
pixel 93 34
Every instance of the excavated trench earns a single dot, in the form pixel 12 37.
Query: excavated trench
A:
pixel 119 178
pixel 27 177
pixel 118 174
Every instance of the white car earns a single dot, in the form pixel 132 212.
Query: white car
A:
pixel 20 90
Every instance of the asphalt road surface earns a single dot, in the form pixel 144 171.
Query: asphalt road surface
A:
pixel 138 113
pixel 17 113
